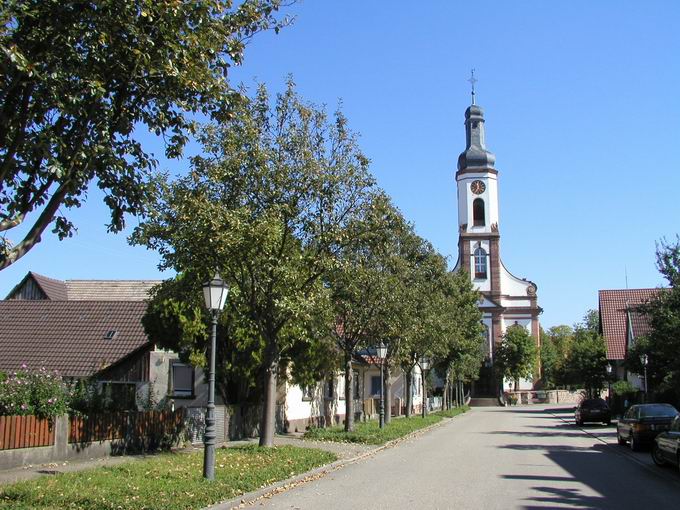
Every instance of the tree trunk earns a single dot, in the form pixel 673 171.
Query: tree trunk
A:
pixel 349 397
pixel 409 392
pixel 268 421
pixel 388 395
pixel 424 381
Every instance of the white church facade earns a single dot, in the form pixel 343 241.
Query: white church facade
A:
pixel 507 300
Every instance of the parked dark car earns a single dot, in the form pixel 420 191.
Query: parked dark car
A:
pixel 592 410
pixel 666 449
pixel 642 422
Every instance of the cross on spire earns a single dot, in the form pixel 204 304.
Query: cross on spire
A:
pixel 472 81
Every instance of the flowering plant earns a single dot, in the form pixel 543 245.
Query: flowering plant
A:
pixel 41 392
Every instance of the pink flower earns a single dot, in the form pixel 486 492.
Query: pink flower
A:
pixel 24 366
pixel 24 406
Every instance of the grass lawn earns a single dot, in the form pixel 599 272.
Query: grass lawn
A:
pixel 369 432
pixel 166 481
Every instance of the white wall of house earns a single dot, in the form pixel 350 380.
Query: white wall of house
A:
pixel 302 407
pixel 162 384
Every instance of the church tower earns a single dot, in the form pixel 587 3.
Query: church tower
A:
pixel 507 300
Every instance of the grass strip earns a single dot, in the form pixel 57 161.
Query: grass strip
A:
pixel 454 411
pixel 167 481
pixel 369 432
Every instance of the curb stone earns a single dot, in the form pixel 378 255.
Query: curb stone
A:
pixel 251 498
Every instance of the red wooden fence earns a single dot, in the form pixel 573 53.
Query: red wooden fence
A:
pixel 25 432
pixel 124 425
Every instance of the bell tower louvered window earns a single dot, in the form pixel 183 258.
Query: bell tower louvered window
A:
pixel 478 219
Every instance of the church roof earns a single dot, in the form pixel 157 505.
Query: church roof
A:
pixel 619 317
pixel 475 154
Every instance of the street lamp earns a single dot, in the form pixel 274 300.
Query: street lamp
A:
pixel 644 359
pixel 609 382
pixel 424 368
pixel 381 352
pixel 215 294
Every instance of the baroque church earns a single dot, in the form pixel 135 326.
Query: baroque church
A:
pixel 507 300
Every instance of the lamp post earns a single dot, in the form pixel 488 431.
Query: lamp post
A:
pixel 609 383
pixel 215 294
pixel 644 359
pixel 424 369
pixel 381 352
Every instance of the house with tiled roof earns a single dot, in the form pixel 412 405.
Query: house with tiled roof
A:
pixel 93 329
pixel 621 323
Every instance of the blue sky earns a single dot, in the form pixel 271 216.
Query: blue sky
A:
pixel 583 113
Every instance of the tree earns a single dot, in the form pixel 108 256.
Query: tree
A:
pixel 590 322
pixel 359 287
pixel 516 355
pixel 176 319
pixel 268 206
pixel 80 80
pixel 587 361
pixel 662 344
pixel 555 348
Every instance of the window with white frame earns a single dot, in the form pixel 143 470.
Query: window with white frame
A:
pixel 480 263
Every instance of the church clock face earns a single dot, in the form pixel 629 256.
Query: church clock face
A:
pixel 477 187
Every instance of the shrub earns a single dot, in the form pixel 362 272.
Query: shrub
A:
pixel 623 388
pixel 33 392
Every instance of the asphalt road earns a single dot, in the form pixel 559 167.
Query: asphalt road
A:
pixel 520 457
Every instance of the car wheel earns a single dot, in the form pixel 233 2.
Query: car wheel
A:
pixel 619 439
pixel 579 423
pixel 633 443
pixel 657 457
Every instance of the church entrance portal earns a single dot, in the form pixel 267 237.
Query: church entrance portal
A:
pixel 486 385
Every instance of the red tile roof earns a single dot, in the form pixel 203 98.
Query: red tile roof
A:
pixel 69 336
pixel 53 289
pixel 614 320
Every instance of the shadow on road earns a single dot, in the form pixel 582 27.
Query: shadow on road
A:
pixel 615 481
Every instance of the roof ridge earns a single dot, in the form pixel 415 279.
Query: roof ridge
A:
pixel 111 280
pixel 632 290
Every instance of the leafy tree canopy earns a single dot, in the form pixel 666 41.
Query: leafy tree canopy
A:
pixel 662 344
pixel 516 355
pixel 586 364
pixel 268 205
pixel 78 80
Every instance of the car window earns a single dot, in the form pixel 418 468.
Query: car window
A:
pixel 629 413
pixel 594 404
pixel 657 411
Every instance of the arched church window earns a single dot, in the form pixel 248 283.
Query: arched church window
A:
pixel 478 213
pixel 480 263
